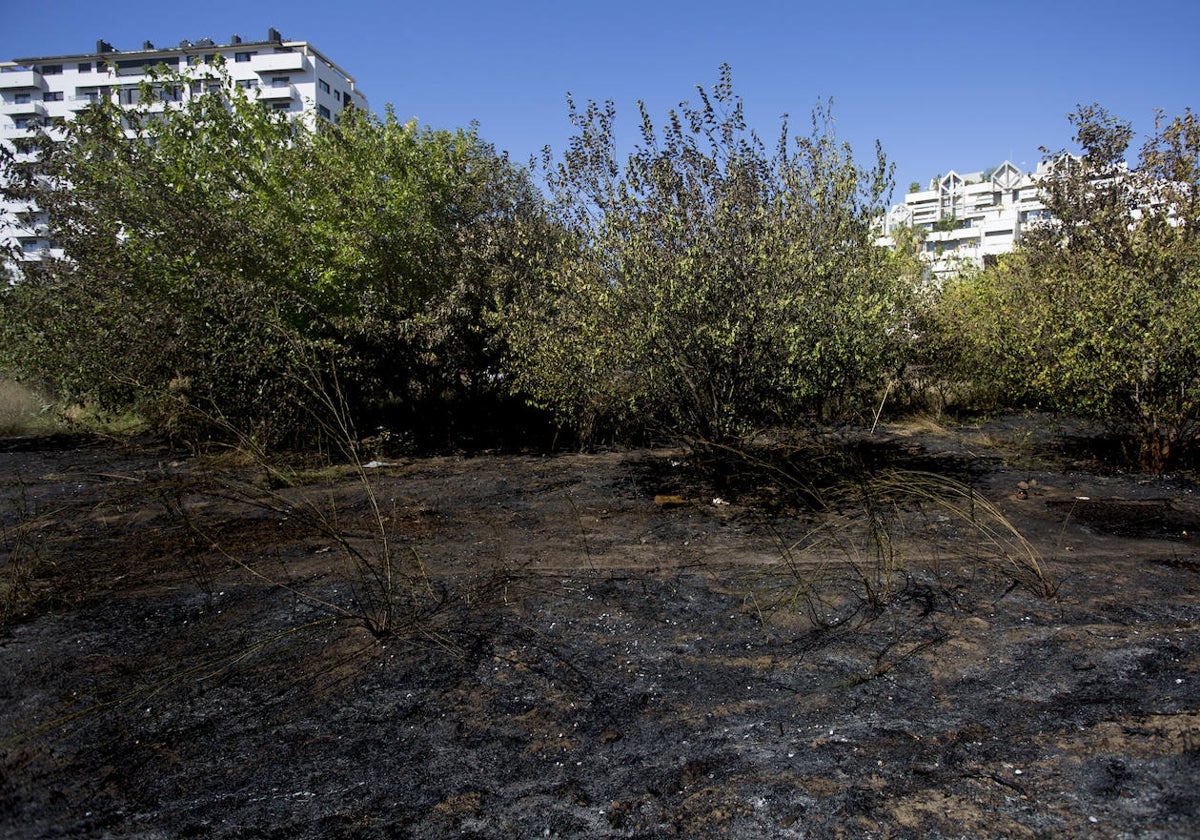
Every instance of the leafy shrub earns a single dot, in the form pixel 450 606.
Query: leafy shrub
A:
pixel 225 264
pixel 708 285
pixel 1096 313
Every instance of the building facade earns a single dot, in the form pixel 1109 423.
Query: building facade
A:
pixel 288 76
pixel 962 219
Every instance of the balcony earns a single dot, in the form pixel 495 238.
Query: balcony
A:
pixel 21 80
pixel 959 236
pixel 9 132
pixel 81 101
pixel 33 252
pixel 25 231
pixel 281 93
pixel 1004 223
pixel 23 109
pixel 277 62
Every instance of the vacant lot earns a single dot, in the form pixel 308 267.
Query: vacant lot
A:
pixel 600 645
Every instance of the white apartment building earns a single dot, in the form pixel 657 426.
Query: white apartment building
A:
pixel 965 218
pixel 293 77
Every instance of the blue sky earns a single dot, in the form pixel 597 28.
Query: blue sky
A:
pixel 942 85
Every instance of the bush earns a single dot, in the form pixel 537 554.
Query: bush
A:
pixel 226 264
pixel 1096 313
pixel 709 286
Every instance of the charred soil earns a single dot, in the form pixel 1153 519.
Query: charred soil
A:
pixel 592 645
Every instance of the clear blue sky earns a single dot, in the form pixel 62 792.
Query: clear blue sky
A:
pixel 943 85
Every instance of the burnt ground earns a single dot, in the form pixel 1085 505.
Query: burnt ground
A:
pixel 597 645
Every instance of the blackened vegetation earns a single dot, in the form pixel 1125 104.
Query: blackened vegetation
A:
pixel 597 666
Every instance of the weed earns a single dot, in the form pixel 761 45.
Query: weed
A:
pixel 871 528
pixel 171 496
pixel 385 588
pixel 20 555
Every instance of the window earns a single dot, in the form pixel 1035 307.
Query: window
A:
pixel 205 86
pixel 280 81
pixel 242 56
pixel 85 67
pixel 139 66
pixel 337 94
pixel 323 85
pixel 281 106
pixel 53 96
pixel 247 84
pixel 323 111
pixel 21 99
pixel 51 69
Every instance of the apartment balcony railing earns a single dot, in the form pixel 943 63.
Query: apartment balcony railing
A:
pixel 78 103
pixel 23 109
pixel 958 235
pixel 277 62
pixel 1003 223
pixel 277 93
pixel 12 133
pixel 25 232
pixel 21 80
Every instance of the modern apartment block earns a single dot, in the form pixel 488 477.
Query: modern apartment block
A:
pixel 965 218
pixel 293 77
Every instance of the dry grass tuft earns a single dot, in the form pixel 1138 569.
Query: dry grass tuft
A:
pixel 874 528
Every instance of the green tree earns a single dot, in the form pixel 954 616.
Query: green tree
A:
pixel 709 284
pixel 416 241
pixel 174 260
pixel 226 263
pixel 1096 313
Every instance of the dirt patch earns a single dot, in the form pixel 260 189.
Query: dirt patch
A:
pixel 581 661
